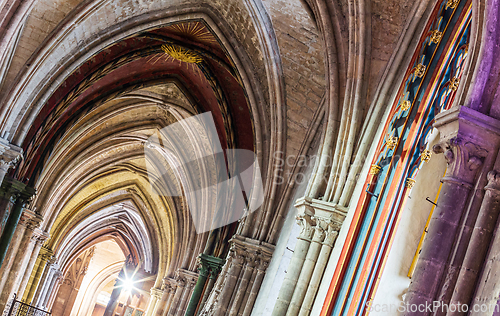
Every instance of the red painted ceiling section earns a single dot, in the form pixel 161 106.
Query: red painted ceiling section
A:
pixel 139 71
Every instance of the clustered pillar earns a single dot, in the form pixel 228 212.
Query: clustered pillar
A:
pixel 16 262
pixel 176 293
pixel 320 223
pixel 208 266
pixel 236 288
pixel 442 273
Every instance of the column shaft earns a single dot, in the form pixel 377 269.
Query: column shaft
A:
pixel 229 285
pixel 198 290
pixel 255 288
pixel 306 273
pixel 242 288
pixel 319 269
pixel 176 299
pixel 295 265
pixel 464 159
pixel 479 243
pixel 13 275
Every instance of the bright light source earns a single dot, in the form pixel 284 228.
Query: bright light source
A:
pixel 128 285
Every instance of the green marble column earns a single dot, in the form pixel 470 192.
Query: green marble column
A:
pixel 207 265
pixel 14 196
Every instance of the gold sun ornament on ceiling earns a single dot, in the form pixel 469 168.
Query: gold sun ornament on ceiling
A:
pixel 180 53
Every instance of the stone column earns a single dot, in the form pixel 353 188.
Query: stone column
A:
pixel 21 200
pixel 38 239
pixel 254 291
pixel 154 301
pixel 190 278
pixel 230 281
pixel 320 222
pixel 307 270
pixel 9 191
pixel 44 256
pixel 479 243
pixel 28 223
pixel 231 292
pixel 179 288
pixel 57 280
pixel 11 253
pixel 245 280
pixel 206 264
pixel 168 288
pixel 466 144
pixel 214 273
pixel 306 223
pixel 46 278
pixel 326 248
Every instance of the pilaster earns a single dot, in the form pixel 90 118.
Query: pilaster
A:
pixel 469 142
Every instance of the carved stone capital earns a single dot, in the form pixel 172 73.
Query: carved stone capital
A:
pixel 463 157
pixel 306 223
pixel 40 236
pixel 30 219
pixel 185 278
pixel 319 234
pixel 252 252
pixel 326 220
pixel 169 285
pixel 467 138
pixel 156 293
pixel 10 155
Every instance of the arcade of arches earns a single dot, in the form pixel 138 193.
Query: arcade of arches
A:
pixel 250 157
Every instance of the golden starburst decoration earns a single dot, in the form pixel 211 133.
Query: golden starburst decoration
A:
pixel 182 54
